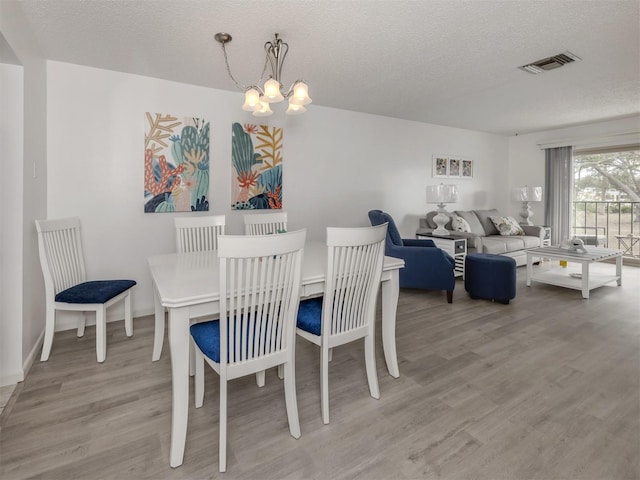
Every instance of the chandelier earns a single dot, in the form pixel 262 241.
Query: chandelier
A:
pixel 258 100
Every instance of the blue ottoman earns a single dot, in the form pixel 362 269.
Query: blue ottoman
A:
pixel 488 276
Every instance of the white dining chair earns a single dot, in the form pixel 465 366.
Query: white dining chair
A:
pixel 265 223
pixel 193 234
pixel 67 288
pixel 346 312
pixel 259 295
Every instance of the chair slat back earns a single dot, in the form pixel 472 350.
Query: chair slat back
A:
pixel 195 234
pixel 261 276
pixel 265 223
pixel 354 267
pixel 61 255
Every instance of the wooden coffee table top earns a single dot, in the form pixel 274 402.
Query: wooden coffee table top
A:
pixel 593 253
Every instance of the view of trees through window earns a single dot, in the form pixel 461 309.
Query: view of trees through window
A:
pixel 607 196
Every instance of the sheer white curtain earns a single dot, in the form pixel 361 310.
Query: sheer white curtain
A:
pixel 559 192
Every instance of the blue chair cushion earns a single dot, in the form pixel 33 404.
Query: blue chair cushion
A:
pixel 310 315
pixel 207 337
pixel 97 291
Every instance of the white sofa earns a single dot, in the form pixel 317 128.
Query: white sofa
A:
pixel 484 237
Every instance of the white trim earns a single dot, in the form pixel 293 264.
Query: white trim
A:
pixel 17 377
pixel 11 379
pixel 624 138
pixel 33 354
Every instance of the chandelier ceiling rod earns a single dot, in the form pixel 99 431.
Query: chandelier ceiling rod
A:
pixel 257 99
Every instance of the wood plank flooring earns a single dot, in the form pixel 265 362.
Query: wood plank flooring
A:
pixel 547 387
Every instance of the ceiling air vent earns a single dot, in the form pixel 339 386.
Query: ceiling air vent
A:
pixel 550 63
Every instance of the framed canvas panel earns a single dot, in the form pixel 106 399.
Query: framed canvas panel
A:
pixel 466 168
pixel 440 166
pixel 454 167
pixel 176 164
pixel 256 160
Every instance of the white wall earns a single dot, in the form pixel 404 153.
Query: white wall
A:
pixel 337 165
pixel 31 191
pixel 527 158
pixel 11 153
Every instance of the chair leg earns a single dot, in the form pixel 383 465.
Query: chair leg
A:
pixel 192 358
pixel 291 400
pixel 370 362
pixel 82 323
pixel 330 354
pixel 222 455
pixel 260 378
pixel 324 384
pixel 281 372
pixel 49 328
pixel 199 376
pixel 101 335
pixel 449 296
pixel 128 317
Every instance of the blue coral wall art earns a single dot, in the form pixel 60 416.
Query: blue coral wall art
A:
pixel 176 164
pixel 256 155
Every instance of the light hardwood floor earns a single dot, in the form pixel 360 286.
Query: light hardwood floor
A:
pixel 544 388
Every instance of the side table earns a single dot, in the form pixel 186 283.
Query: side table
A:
pixel 546 241
pixel 454 245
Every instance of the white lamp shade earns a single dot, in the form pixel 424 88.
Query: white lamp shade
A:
pixel 442 193
pixel 272 92
pixel 300 94
pixel 251 100
pixel 263 111
pixel 295 109
pixel 527 194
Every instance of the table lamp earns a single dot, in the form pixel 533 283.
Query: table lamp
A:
pixel 440 195
pixel 525 195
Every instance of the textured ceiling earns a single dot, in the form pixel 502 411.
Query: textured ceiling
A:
pixel 450 62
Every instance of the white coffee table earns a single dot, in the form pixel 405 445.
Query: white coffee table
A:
pixel 585 280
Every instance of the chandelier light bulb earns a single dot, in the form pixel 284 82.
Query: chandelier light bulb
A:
pixel 272 91
pixel 300 94
pixel 251 100
pixel 295 109
pixel 263 111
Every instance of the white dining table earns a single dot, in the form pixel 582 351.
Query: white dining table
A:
pixel 187 285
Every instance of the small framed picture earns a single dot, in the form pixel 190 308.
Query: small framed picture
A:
pixel 440 166
pixel 466 168
pixel 454 167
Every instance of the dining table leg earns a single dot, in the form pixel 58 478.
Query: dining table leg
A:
pixel 158 334
pixel 390 293
pixel 179 345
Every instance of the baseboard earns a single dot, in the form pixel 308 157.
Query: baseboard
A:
pixel 17 377
pixel 11 379
pixel 33 354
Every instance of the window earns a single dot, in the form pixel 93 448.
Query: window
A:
pixel 606 194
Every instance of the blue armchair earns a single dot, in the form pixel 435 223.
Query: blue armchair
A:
pixel 426 266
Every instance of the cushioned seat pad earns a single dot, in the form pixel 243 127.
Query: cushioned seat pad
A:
pixel 310 316
pixel 97 291
pixel 206 335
